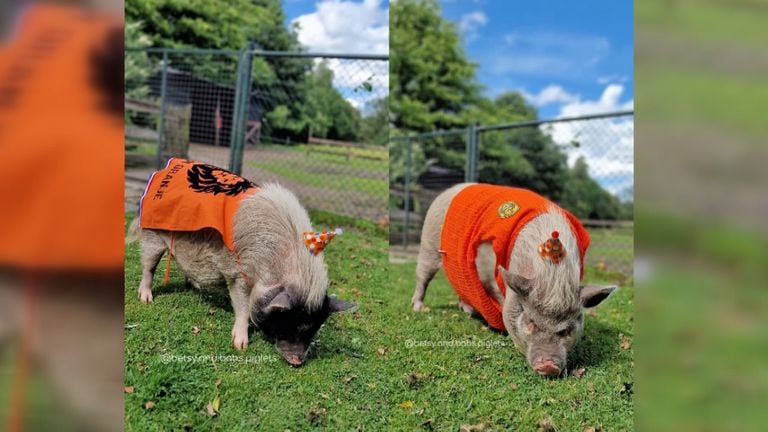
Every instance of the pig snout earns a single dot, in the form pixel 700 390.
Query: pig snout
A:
pixel 546 367
pixel 294 360
pixel 294 353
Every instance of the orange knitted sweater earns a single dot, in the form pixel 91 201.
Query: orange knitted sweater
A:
pixel 189 196
pixel 484 212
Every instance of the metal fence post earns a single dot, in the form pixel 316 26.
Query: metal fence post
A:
pixel 240 112
pixel 407 204
pixel 161 129
pixel 470 173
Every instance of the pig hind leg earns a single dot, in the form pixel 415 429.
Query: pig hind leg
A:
pixel 152 249
pixel 428 264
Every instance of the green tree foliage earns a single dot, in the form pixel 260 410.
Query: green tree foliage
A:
pixel 431 78
pixel 374 128
pixel 433 87
pixel 283 86
pixel 329 114
pixel 138 66
pixel 584 197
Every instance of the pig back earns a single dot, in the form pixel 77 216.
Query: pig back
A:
pixel 191 196
pixel 477 214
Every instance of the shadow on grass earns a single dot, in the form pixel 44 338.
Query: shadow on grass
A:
pixel 217 298
pixel 597 346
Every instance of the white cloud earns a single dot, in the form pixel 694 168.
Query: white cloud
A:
pixel 549 95
pixel 337 26
pixel 470 24
pixel 356 27
pixel 548 54
pixel 612 79
pixel 606 144
pixel 352 77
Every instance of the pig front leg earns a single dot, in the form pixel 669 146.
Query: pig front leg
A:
pixel 152 250
pixel 485 262
pixel 239 294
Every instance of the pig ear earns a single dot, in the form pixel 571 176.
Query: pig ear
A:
pixel 593 295
pixel 337 305
pixel 518 283
pixel 279 303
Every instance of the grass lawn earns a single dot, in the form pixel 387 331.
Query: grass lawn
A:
pixel 338 172
pixel 362 371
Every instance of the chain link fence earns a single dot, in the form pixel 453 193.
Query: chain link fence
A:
pixel 585 164
pixel 315 123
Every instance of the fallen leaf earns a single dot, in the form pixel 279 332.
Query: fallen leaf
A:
pixel 324 396
pixel 315 415
pixel 591 387
pixel 218 382
pixel 212 311
pixel 381 351
pixel 413 379
pixel 632 365
pixel 625 345
pixel 547 425
pixel 209 409
pixel 513 386
pixel 149 405
pixel 195 329
pixel 406 404
pixel 349 378
pixel 578 373
pixel 472 428
pixel 129 389
pixel 216 403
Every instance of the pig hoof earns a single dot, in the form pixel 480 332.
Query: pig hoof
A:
pixel 466 308
pixel 419 306
pixel 146 296
pixel 239 340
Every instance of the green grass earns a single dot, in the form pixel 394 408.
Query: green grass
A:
pixel 720 21
pixel 706 97
pixel 611 248
pixel 337 172
pixel 361 372
pixel 340 182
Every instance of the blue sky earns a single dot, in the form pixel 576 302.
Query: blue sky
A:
pixel 576 47
pixel 568 58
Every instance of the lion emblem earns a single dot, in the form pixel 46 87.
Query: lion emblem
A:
pixel 210 179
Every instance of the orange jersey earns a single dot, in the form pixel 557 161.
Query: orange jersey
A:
pixel 483 212
pixel 61 142
pixel 189 196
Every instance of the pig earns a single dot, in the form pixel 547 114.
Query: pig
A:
pixel 273 280
pixel 542 310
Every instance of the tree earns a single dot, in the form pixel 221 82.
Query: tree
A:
pixel 232 24
pixel 431 78
pixel 329 114
pixel 138 66
pixel 374 128
pixel 585 198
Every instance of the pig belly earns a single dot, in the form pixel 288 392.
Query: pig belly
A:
pixel 206 263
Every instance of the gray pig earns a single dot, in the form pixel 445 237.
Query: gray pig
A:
pixel 542 310
pixel 278 284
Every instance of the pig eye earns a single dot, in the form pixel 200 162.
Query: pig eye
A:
pixel 530 325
